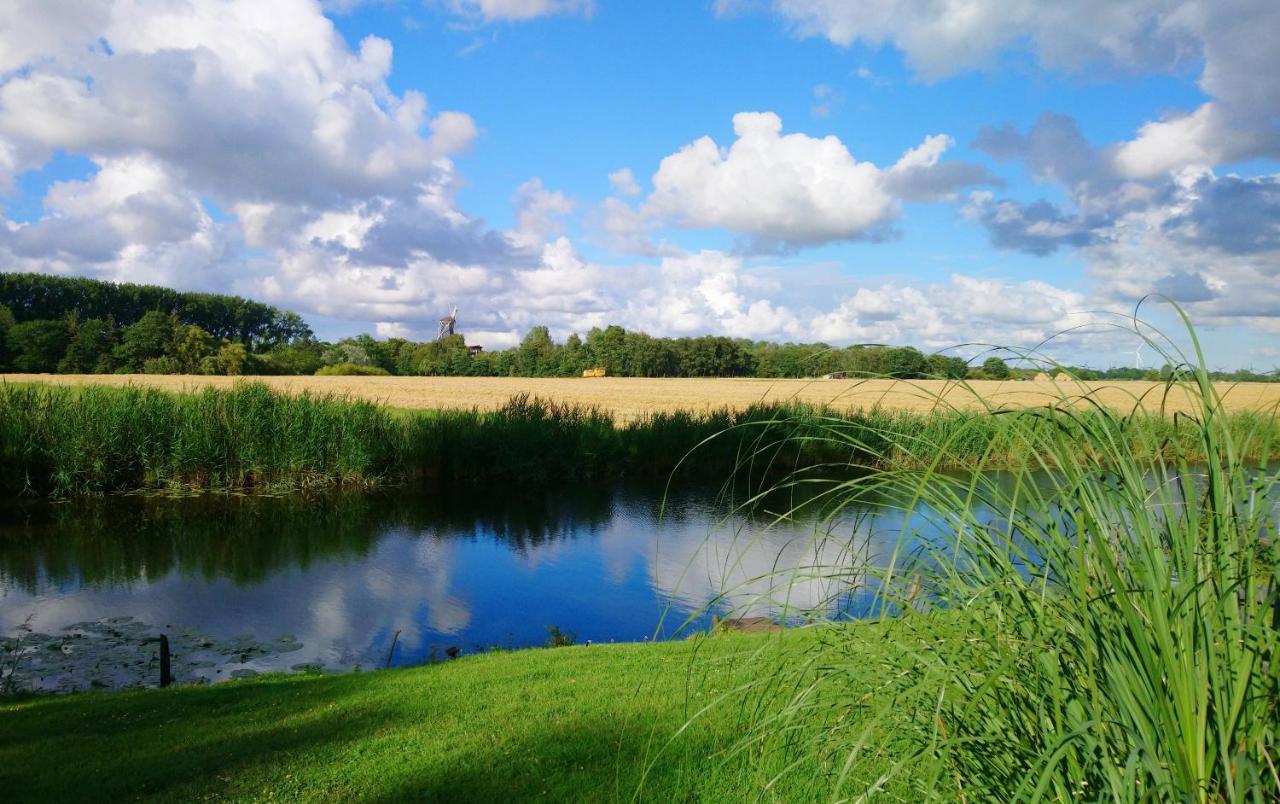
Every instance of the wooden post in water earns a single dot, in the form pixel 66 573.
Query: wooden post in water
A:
pixel 166 678
pixel 392 652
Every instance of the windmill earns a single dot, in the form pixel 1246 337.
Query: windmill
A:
pixel 446 324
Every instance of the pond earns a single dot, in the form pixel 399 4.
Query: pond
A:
pixel 242 584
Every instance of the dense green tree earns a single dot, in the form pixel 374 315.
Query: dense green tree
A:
pixel 166 364
pixel 604 348
pixel 346 351
pixel 906 363
pixel 786 359
pixel 376 353
pixel 6 323
pixel 713 356
pixel 995 368
pixel 231 359
pixel 870 361
pixel 302 356
pixel 446 356
pixel 570 358
pixel 33 296
pixel 36 347
pixel 191 345
pixel 150 337
pixel 284 328
pixel 495 364
pixel 90 347
pixel 644 356
pixel 947 367
pixel 535 357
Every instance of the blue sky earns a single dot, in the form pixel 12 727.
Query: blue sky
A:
pixel 370 164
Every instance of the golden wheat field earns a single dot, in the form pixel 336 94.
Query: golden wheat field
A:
pixel 629 398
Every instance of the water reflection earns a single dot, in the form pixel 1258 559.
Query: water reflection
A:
pixel 471 568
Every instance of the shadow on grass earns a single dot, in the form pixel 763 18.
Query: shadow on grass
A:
pixel 114 746
pixel 345 737
pixel 589 759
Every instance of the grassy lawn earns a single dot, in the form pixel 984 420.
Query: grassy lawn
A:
pixel 576 723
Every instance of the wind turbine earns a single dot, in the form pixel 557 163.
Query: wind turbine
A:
pixel 446 324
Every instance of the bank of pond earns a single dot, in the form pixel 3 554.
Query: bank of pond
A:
pixel 572 724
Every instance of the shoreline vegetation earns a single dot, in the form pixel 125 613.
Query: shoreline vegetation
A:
pixel 66 441
pixel 1101 620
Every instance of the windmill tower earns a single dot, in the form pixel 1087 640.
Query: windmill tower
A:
pixel 446 324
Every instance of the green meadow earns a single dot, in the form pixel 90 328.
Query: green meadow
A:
pixel 601 723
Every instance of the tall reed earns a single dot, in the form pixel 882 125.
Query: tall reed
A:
pixel 78 440
pixel 66 441
pixel 1100 620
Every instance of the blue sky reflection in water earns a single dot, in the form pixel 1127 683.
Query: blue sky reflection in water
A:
pixel 471 570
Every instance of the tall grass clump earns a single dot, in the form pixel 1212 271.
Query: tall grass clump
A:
pixel 69 441
pixel 528 439
pixel 1099 620
pixel 65 441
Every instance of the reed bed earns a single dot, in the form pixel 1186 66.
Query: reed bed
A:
pixel 61 441
pixel 71 441
pixel 65 441
pixel 1098 620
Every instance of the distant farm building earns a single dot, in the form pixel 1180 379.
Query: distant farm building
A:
pixel 594 372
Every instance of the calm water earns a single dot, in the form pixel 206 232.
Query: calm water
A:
pixel 253 584
pixel 241 585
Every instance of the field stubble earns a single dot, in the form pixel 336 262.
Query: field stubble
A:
pixel 630 398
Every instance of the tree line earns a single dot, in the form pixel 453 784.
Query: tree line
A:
pixel 84 326
pixel 624 353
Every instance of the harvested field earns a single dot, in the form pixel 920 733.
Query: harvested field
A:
pixel 629 398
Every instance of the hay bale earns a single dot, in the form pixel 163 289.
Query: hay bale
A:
pixel 1042 377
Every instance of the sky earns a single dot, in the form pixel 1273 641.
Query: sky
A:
pixel 931 173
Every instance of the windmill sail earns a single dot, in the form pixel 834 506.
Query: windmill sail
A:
pixel 446 324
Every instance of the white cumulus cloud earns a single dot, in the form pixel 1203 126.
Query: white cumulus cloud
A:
pixel 794 190
pixel 1232 42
